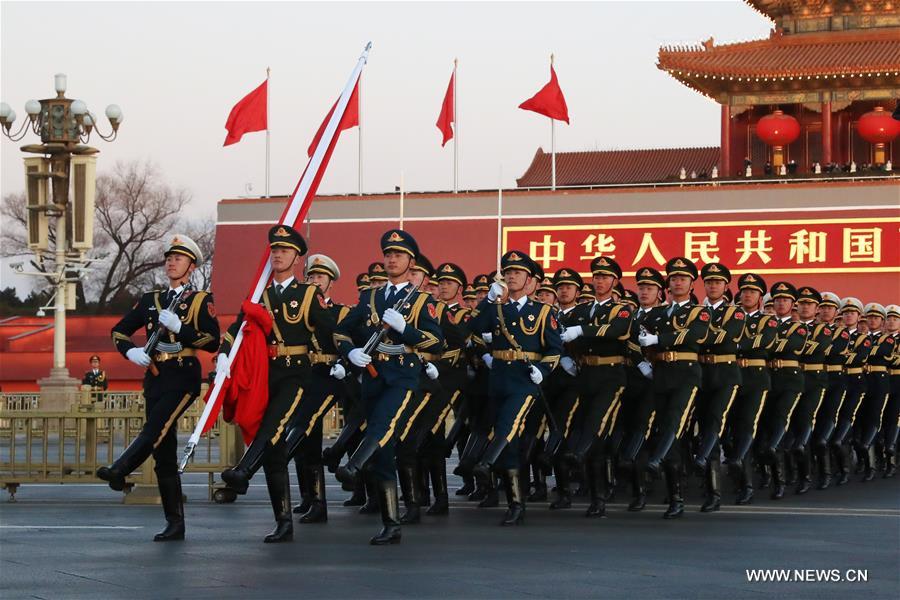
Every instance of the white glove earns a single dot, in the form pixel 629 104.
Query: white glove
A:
pixel 223 365
pixel 138 357
pixel 359 358
pixel 470 372
pixel 487 337
pixel 394 319
pixel 488 359
pixel 496 291
pixel 648 339
pixel 646 369
pixel 338 371
pixel 431 371
pixel 568 365
pixel 170 321
pixel 536 376
pixel 572 333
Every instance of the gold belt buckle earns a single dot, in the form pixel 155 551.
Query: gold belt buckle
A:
pixel 742 362
pixel 163 357
pixel 669 355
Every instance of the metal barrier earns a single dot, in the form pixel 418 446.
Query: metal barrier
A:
pixel 38 446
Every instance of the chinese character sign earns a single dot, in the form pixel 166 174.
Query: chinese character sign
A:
pixel 776 246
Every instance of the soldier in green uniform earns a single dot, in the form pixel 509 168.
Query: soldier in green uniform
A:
pixel 674 334
pixel 172 381
pixel 296 310
pixel 892 409
pixel 871 411
pixel 721 377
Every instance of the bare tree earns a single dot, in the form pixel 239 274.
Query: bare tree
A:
pixel 14 242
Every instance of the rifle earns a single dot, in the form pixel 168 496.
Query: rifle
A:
pixel 376 337
pixel 153 340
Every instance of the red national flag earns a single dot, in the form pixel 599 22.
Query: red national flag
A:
pixel 248 115
pixel 350 119
pixel 549 101
pixel 446 120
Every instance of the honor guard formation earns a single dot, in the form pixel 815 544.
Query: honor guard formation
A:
pixel 524 374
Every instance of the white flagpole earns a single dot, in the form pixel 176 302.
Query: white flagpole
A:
pixel 268 95
pixel 499 219
pixel 552 146
pixel 455 131
pixel 402 190
pixel 360 138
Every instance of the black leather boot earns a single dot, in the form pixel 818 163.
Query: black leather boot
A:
pixel 515 499
pixel 705 448
pixel 609 479
pixel 349 473
pixel 823 454
pixel 482 470
pixel 713 486
pixel 638 493
pixel 358 498
pixel 347 438
pixel 745 478
pixel 303 484
pixel 841 463
pixel 868 456
pixel 238 477
pixel 890 465
pixel 540 485
pixel 437 470
pixel 422 482
pixel 318 508
pixel 563 493
pixel 491 495
pixel 173 507
pixel 673 488
pixel 408 475
pixel 280 495
pixel 468 486
pixel 387 500
pixel 663 445
pixel 778 483
pixel 804 480
pixel 596 475
pixel 475 446
pixel 134 456
pixel 371 506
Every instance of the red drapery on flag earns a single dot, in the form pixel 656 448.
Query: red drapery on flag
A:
pixel 549 101
pixel 245 394
pixel 350 119
pixel 446 120
pixel 248 115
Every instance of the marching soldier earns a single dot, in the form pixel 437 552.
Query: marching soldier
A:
pixel 96 378
pixel 393 369
pixel 172 380
pixel 721 377
pixel 526 348
pixel 878 389
pixel 760 331
pixel 676 332
pixel 602 330
pixel 854 361
pixel 327 386
pixel 892 410
pixel 787 382
pixel 295 310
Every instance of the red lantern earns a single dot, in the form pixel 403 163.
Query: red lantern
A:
pixel 778 130
pixel 879 128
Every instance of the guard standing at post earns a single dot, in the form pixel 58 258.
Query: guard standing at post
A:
pixel 172 381
pixel 96 378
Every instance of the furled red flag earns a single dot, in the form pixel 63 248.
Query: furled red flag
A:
pixel 350 119
pixel 248 115
pixel 446 120
pixel 549 101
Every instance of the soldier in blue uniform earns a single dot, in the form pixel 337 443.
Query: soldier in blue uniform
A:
pixel 393 370
pixel 892 409
pixel 526 347
pixel 96 378
pixel 674 334
pixel 871 411
pixel 172 381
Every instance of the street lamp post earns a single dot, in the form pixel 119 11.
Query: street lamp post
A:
pixel 65 126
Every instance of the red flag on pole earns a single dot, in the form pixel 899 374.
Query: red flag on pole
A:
pixel 445 120
pixel 549 101
pixel 349 120
pixel 248 115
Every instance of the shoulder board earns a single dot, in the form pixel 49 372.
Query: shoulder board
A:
pixel 344 311
pixel 458 316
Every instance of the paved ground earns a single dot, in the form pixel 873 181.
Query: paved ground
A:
pixel 80 542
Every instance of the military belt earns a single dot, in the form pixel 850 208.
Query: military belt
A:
pixel 164 356
pixel 511 355
pixel 834 368
pixel 895 372
pixel 854 371
pixel 282 350
pixel 815 368
pixel 779 363
pixel 714 359
pixel 316 358
pixel 875 369
pixel 600 361
pixel 752 362
pixel 672 356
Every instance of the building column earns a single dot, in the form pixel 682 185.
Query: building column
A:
pixel 725 143
pixel 826 129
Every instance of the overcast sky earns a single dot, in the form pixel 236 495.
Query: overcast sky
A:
pixel 176 69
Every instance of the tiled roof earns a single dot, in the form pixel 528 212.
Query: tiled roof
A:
pixel 813 8
pixel 832 53
pixel 617 166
